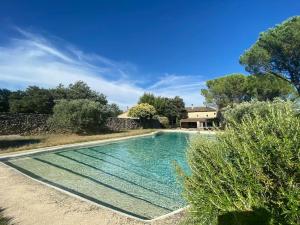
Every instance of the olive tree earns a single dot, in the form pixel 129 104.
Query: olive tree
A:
pixel 79 116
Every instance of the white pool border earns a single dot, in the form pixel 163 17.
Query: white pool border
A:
pixel 92 143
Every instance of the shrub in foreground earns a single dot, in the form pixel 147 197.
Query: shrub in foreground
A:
pixel 79 116
pixel 3 219
pixel 250 169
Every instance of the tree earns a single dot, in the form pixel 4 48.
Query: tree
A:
pixel 269 87
pixel 237 88
pixel 114 110
pixel 142 111
pixel 172 108
pixel 32 100
pixel 60 92
pixel 78 90
pixel 180 108
pixel 148 98
pixel 226 90
pixel 277 52
pixel 79 116
pixel 4 97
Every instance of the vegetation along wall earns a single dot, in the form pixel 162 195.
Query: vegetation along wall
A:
pixel 29 123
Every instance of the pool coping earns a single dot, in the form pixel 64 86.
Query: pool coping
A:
pixel 86 144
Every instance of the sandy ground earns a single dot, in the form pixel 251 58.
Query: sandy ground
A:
pixel 32 203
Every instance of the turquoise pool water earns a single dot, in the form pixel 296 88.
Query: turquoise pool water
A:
pixel 134 176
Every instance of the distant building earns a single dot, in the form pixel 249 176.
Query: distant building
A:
pixel 202 117
pixel 124 115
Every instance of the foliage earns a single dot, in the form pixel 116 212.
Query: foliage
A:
pixel 4 97
pixel 142 111
pixel 4 220
pixel 237 88
pixel 40 100
pixel 181 112
pixel 79 116
pixel 252 167
pixel 269 87
pixel 277 52
pixel 226 90
pixel 78 90
pixel 114 110
pixel 172 108
pixel 237 112
pixel 148 98
pixel 32 100
pixel 164 121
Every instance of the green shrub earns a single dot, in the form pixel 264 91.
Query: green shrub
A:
pixel 164 121
pixel 79 116
pixel 142 111
pixel 237 112
pixel 251 168
pixel 3 219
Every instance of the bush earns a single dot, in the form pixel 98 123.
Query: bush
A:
pixel 142 111
pixel 79 116
pixel 237 112
pixel 164 121
pixel 3 219
pixel 253 167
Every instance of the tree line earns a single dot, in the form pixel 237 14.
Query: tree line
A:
pixel 238 88
pixel 74 108
pixel 40 100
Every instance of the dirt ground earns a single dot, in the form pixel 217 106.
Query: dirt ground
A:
pixel 16 143
pixel 32 203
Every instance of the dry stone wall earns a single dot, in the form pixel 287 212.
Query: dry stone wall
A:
pixel 27 124
pixel 21 123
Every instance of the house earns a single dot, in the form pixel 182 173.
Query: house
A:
pixel 202 117
pixel 124 115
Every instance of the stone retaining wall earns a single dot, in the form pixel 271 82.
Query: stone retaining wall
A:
pixel 117 124
pixel 26 124
pixel 21 123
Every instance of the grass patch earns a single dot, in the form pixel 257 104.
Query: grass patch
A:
pixel 20 143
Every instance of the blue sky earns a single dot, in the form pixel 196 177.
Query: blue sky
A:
pixel 126 47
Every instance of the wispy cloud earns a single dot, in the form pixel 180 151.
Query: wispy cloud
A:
pixel 34 60
pixel 186 86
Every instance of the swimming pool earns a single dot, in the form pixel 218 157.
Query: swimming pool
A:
pixel 134 176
